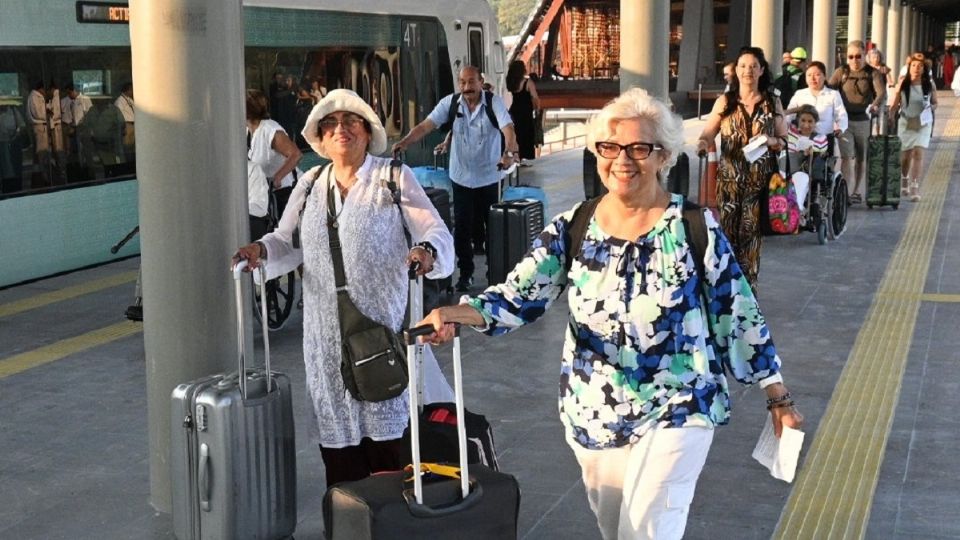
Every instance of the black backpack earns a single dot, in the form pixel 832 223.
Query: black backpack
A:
pixel 455 113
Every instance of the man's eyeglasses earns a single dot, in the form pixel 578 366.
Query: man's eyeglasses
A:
pixel 349 121
pixel 637 150
pixel 854 56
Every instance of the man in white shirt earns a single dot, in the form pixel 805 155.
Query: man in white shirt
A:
pixel 124 103
pixel 39 118
pixel 476 158
pixel 73 107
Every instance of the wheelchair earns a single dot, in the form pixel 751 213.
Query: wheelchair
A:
pixel 281 291
pixel 825 206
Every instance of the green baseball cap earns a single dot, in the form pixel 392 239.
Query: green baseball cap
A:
pixel 799 53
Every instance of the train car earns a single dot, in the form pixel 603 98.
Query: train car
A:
pixel 68 192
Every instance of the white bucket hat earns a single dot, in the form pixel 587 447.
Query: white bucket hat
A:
pixel 345 101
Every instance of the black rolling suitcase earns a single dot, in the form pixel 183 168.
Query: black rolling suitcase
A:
pixel 678 179
pixel 479 504
pixel 511 229
pixel 233 458
pixel 438 292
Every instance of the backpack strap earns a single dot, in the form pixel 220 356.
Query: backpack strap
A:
pixel 695 227
pixel 577 229
pixel 452 114
pixel 488 96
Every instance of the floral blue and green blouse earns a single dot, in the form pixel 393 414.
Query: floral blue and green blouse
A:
pixel 646 344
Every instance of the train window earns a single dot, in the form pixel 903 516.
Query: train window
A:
pixel 9 84
pixel 50 136
pixel 475 50
pixel 90 82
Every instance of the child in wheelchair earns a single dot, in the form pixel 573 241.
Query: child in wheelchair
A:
pixel 807 160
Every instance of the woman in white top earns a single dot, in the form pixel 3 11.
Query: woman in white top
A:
pixel 916 99
pixel 269 146
pixel 827 101
pixel 356 437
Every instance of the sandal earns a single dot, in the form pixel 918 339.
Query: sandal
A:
pixel 856 198
pixel 915 191
pixel 905 186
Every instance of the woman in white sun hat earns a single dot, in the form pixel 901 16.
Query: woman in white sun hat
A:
pixel 356 438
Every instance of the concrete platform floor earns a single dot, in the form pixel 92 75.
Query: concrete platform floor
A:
pixel 73 435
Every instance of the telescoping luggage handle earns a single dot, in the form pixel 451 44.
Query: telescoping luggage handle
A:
pixel 411 338
pixel 238 289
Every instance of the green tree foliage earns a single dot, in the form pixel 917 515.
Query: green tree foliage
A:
pixel 511 14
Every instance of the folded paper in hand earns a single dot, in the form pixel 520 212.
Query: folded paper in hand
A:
pixel 755 148
pixel 780 456
pixel 926 117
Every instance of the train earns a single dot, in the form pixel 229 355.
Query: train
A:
pixel 68 194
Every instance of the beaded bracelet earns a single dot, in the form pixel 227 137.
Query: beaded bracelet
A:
pixel 428 247
pixel 780 405
pixel 778 399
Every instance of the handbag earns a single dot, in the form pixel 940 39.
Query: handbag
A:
pixel 913 123
pixel 783 210
pixel 373 362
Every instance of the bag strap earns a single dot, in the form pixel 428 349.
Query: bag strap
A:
pixel 393 185
pixel 694 224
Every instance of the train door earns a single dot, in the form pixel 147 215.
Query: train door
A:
pixel 419 79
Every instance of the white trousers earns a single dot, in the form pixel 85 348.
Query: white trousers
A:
pixel 643 491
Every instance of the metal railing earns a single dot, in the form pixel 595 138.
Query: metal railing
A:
pixel 566 117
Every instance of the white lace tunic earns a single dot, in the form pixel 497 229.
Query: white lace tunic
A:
pixel 374 253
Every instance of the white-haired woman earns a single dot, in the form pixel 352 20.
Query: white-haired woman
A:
pixel 642 380
pixel 356 438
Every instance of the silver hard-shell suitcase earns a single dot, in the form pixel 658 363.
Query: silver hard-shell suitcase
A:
pixel 232 451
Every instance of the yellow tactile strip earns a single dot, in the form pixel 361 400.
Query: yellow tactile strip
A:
pixel 66 293
pixel 66 347
pixel 834 489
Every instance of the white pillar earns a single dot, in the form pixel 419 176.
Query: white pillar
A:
pixel 894 24
pixel 697 56
pixel 188 76
pixel 645 56
pixel 824 32
pixel 857 20
pixel 878 24
pixel 766 30
pixel 906 33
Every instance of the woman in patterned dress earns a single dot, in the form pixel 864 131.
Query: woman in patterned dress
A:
pixel 749 109
pixel 356 438
pixel 650 336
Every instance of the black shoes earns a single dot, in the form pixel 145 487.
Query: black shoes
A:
pixel 134 312
pixel 464 284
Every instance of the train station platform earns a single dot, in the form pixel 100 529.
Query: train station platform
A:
pixel 866 326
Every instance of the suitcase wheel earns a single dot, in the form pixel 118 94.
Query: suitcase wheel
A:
pixel 870 206
pixel 896 206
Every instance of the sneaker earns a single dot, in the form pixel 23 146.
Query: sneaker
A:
pixel 464 284
pixel 134 313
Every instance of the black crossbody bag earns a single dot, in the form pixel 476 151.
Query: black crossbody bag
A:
pixel 373 360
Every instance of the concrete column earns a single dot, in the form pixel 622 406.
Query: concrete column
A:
pixel 894 25
pixel 188 75
pixel 645 56
pixel 697 55
pixel 797 33
pixel 824 33
pixel 857 20
pixel 878 24
pixel 906 31
pixel 766 30
pixel 737 28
